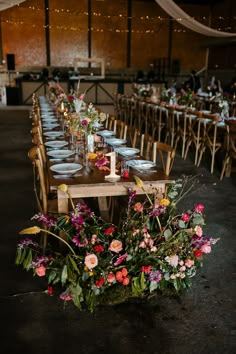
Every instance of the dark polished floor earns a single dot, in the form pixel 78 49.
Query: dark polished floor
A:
pixel 202 321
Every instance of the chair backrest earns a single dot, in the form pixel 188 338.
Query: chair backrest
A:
pixel 144 142
pixel 231 143
pixel 165 154
pixel 120 129
pixel 38 172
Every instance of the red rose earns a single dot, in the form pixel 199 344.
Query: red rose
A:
pixel 50 290
pixel 98 248
pixel 146 269
pixel 109 230
pixel 197 253
pixel 99 282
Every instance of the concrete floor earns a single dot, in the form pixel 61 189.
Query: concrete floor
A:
pixel 202 321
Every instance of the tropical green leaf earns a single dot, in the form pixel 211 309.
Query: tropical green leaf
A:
pixel 64 275
pixel 198 220
pixel 28 260
pixel 52 275
pixel 181 224
pixel 167 234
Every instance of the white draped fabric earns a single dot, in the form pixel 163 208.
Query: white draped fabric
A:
pixel 184 19
pixel 8 3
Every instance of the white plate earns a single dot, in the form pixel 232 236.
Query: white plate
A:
pixel 60 154
pixel 49 120
pixel 97 125
pixel 115 141
pixel 141 164
pixel 56 144
pixel 106 132
pixel 66 168
pixel 50 126
pixel 53 134
pixel 124 151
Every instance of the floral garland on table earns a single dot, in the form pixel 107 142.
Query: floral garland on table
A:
pixel 186 97
pixel 157 249
pixel 142 90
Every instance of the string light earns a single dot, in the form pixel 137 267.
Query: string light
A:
pixel 145 19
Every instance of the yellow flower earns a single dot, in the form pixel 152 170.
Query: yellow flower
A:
pixel 138 181
pixel 164 202
pixel 63 188
pixel 30 230
pixel 90 274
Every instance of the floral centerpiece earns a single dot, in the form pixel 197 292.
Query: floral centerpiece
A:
pixel 142 90
pixel 158 249
pixel 224 108
pixel 186 97
pixel 168 95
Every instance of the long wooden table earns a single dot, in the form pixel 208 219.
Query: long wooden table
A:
pixel 91 182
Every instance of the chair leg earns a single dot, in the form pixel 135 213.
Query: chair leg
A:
pixel 225 163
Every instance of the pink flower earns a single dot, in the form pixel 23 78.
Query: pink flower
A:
pixel 189 263
pixel 111 277
pixel 206 248
pixel 173 260
pixel 116 246
pixel 138 207
pixel 120 259
pixel 199 208
pixel 126 281
pixel 198 230
pixel 40 271
pixel 66 296
pixel 93 239
pixel 185 217
pixel 142 245
pixel 91 261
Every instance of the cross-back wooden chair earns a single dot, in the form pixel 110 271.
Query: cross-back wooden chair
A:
pixel 210 137
pixel 230 154
pixel 164 154
pixel 120 129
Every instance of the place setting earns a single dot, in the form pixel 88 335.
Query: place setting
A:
pixel 66 170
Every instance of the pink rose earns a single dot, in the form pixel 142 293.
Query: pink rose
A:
pixel 41 271
pixel 91 261
pixel 115 246
pixel 206 248
pixel 111 277
pixel 199 208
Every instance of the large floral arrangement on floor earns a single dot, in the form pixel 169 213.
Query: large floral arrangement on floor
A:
pixel 90 261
